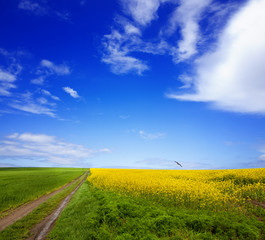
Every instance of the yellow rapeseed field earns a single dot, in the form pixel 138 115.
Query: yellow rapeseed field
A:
pixel 198 188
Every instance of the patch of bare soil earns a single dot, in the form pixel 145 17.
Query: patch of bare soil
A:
pixel 25 209
pixel 40 231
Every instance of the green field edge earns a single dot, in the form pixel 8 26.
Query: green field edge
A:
pixel 9 210
pixel 97 214
pixel 21 229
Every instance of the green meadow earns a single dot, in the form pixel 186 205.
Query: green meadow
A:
pixel 21 185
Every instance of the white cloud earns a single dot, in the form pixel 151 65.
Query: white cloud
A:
pixel 187 16
pixel 142 11
pixel 7 80
pixel 117 48
pixel 131 29
pixel 48 68
pixel 71 91
pixel 105 150
pixel 27 103
pixel 47 93
pixel 33 108
pixel 186 80
pixel 49 148
pixel 28 137
pixel 60 69
pixel 37 102
pixel 9 73
pixel 6 76
pixel 44 101
pixel 150 136
pixel 123 64
pixel 38 81
pixel 190 26
pixel 33 7
pixel 126 37
pixel 232 77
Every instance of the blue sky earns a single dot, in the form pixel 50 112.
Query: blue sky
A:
pixel 132 83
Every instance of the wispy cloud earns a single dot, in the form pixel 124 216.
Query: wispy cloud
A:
pixel 187 16
pixel 150 136
pixel 47 93
pixel 120 45
pixel 45 147
pixel 32 7
pixel 186 80
pixel 127 33
pixel 9 72
pixel 142 11
pixel 38 81
pixel 7 80
pixel 117 48
pixel 35 101
pixel 232 76
pixel 41 8
pixel 48 68
pixel 71 91
pixel 32 107
pixel 27 103
pixel 189 31
pixel 59 69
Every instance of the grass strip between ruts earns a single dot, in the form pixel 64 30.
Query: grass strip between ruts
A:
pixel 21 228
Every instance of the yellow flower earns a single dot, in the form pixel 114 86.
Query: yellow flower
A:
pixel 192 188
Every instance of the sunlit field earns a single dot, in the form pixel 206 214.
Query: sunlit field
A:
pixel 214 189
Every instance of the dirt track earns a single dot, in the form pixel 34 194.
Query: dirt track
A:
pixel 25 209
pixel 44 227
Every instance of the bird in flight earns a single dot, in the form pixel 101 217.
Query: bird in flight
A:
pixel 178 163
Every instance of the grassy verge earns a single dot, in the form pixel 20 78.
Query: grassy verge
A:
pixel 21 228
pixel 21 185
pixel 100 214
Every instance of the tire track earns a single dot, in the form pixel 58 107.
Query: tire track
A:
pixel 44 227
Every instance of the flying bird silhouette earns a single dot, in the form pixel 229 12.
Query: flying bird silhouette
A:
pixel 178 163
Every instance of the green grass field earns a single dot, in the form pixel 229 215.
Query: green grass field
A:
pixel 21 229
pixel 21 185
pixel 100 214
